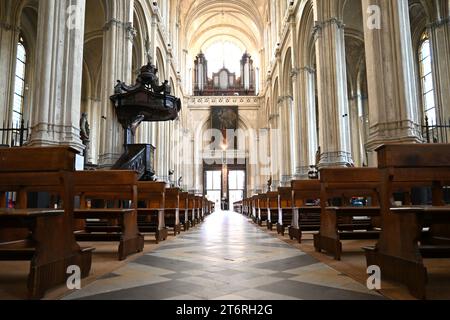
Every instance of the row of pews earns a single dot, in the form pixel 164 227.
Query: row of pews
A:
pixel 403 206
pixel 56 208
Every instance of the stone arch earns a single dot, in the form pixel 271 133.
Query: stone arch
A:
pixel 160 64
pixel 287 72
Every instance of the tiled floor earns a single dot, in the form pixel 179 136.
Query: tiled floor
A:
pixel 226 258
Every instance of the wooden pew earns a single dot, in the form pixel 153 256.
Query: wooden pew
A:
pixel 209 207
pixel 152 214
pixel 192 210
pixel 254 208
pixel 184 211
pixel 306 209
pixel 243 207
pixel 245 210
pixel 202 209
pixel 172 210
pixel 238 207
pixel 285 211
pixel 262 206
pixel 272 207
pixel 339 219
pixel 118 214
pixel 43 236
pixel 403 245
pixel 198 209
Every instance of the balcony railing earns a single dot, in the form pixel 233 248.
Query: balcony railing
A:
pixel 14 135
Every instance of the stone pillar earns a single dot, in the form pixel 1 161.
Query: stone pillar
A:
pixel 286 133
pixel 297 161
pixel 275 150
pixel 160 151
pixel 332 87
pixel 309 138
pixel 391 77
pixel 9 35
pixel 356 138
pixel 118 36
pixel 59 65
pixel 439 32
pixel 300 124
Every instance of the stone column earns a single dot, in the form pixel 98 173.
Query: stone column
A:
pixel 285 124
pixel 118 36
pixel 9 35
pixel 59 65
pixel 439 32
pixel 332 86
pixel 297 161
pixel 391 77
pixel 160 151
pixel 275 150
pixel 309 140
pixel 357 142
pixel 300 132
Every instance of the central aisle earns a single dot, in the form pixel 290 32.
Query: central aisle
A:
pixel 226 258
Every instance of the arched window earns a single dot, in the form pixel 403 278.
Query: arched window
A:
pixel 426 80
pixel 19 83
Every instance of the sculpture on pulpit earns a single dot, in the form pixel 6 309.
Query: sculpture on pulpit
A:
pixel 147 100
pixel 269 185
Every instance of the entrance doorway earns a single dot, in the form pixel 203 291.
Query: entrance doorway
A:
pixel 214 186
pixel 225 186
pixel 236 182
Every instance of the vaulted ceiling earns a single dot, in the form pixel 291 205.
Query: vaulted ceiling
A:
pixel 207 21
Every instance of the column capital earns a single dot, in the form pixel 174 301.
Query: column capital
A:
pixel 294 73
pixel 274 116
pixel 9 27
pixel 131 31
pixel 114 22
pixel 307 69
pixel 439 23
pixel 319 25
pixel 282 99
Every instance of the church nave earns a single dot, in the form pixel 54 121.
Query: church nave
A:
pixel 226 258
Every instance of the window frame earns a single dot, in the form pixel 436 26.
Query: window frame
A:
pixel 20 96
pixel 426 77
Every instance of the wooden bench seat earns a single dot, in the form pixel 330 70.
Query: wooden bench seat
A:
pixel 117 191
pixel 262 207
pixel 151 210
pixel 237 206
pixel 403 245
pixel 305 216
pixel 184 211
pixel 285 209
pixel 202 208
pixel 172 210
pixel 42 236
pixel 338 223
pixel 192 207
pixel 272 210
